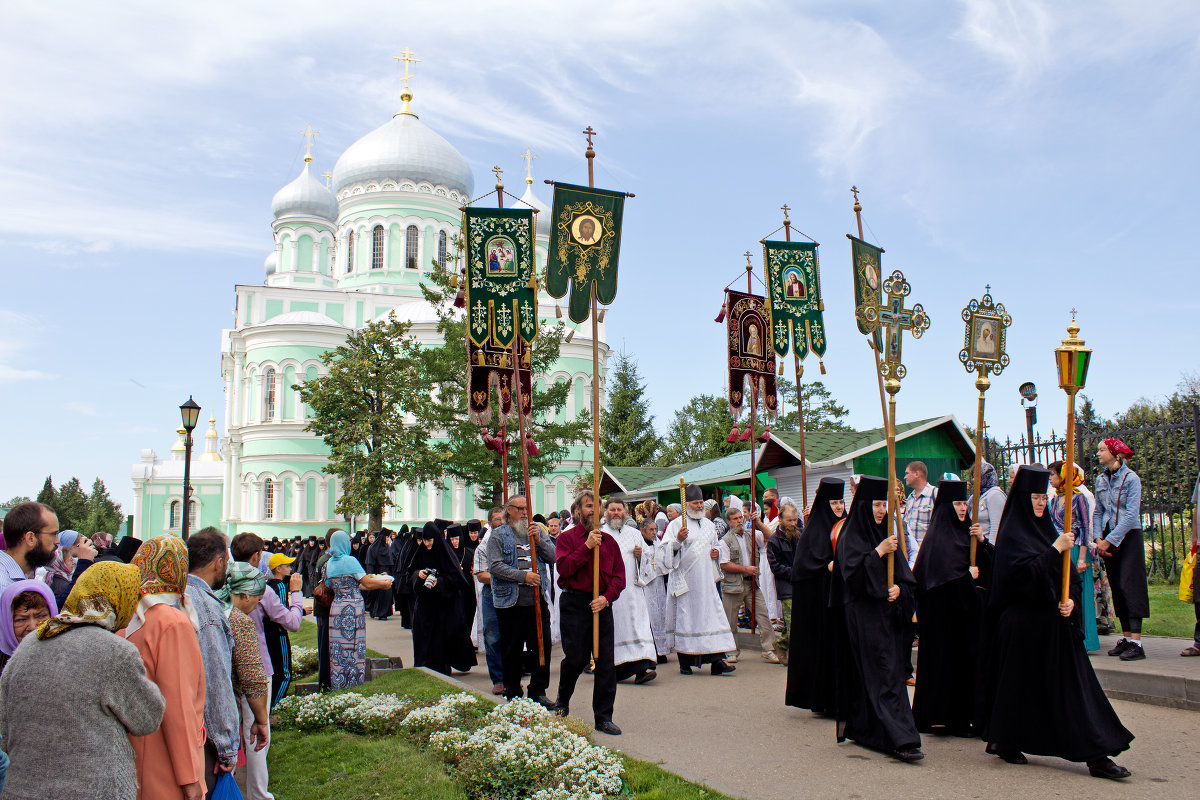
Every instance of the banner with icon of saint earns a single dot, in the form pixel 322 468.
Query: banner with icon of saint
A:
pixel 794 292
pixel 585 242
pixel 751 357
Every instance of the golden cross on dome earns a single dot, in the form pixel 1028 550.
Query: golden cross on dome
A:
pixel 1072 315
pixel 327 175
pixel 749 263
pixel 854 191
pixel 407 57
pixel 589 133
pixel 528 158
pixel 499 172
pixel 309 134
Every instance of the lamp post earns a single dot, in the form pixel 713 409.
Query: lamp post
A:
pixel 190 411
pixel 1071 359
pixel 1029 403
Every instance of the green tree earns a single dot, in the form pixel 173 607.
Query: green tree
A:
pixel 16 501
pixel 699 431
pixel 48 495
pixel 460 446
pixel 361 409
pixel 102 513
pixel 71 506
pixel 821 411
pixel 627 435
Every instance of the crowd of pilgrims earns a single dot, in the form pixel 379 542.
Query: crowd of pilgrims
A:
pixel 187 643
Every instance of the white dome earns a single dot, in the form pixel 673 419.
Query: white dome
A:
pixel 272 263
pixel 531 200
pixel 302 318
pixel 401 148
pixel 305 197
pixel 415 311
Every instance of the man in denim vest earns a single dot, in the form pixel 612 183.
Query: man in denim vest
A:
pixel 515 589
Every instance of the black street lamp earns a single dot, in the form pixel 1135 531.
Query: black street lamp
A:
pixel 190 412
pixel 1029 403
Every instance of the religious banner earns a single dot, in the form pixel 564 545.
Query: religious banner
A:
pixel 794 297
pixel 585 241
pixel 501 293
pixel 751 357
pixel 868 281
pixel 491 368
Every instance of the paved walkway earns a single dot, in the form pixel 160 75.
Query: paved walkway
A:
pixel 734 734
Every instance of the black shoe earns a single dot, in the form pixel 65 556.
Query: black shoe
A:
pixel 1135 652
pixel 559 709
pixel 1120 647
pixel 1012 756
pixel 909 755
pixel 645 676
pixel 662 659
pixel 1107 768
pixel 685 670
pixel 721 668
pixel 543 701
pixel 608 727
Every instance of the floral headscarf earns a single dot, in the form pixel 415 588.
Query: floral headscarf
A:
pixel 106 594
pixel 1076 479
pixel 1118 448
pixel 241 578
pixel 987 477
pixel 162 563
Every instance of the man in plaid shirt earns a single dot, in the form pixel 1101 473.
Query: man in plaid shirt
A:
pixel 917 507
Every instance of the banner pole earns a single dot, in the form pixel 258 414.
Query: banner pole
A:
pixel 590 155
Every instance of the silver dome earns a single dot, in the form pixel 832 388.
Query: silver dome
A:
pixel 542 218
pixel 272 263
pixel 305 197
pixel 404 147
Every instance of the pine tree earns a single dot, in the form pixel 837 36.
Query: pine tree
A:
pixel 48 495
pixel 627 435
pixel 821 411
pixel 102 513
pixel 72 506
pixel 699 431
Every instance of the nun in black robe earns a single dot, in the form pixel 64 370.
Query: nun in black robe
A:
pixel 397 552
pixel 874 637
pixel 1039 691
pixel 810 666
pixel 443 615
pixel 380 561
pixel 405 596
pixel 951 602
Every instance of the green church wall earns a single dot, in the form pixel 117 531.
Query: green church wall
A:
pixel 304 254
pixel 297 305
pixel 334 312
pixel 273 309
pixel 289 396
pixel 288 490
pixel 310 498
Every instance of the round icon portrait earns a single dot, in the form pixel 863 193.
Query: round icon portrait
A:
pixel 586 230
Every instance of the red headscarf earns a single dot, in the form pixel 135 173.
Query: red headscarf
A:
pixel 1118 448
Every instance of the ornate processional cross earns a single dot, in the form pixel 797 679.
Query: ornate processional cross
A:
pixel 894 319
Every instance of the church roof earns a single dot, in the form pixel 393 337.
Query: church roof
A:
pixel 403 148
pixel 305 197
pixel 531 200
pixel 301 318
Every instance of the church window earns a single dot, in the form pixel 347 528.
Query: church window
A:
pixel 377 247
pixel 268 499
pixel 269 394
pixel 173 516
pixel 193 513
pixel 410 247
pixel 442 249
pixel 350 251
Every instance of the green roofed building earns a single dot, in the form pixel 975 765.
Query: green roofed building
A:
pixel 940 442
pixel 346 252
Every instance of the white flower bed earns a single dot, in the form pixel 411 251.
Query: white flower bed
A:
pixel 445 711
pixel 304 660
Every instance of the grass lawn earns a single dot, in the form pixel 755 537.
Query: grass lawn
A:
pixel 1169 616
pixel 315 766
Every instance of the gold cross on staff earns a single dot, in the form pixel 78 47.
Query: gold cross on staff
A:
pixel 854 191
pixel 309 134
pixel 589 133
pixel 328 176
pixel 498 172
pixel 894 319
pixel 785 209
pixel 528 157
pixel 407 57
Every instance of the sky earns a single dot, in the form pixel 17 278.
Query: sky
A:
pixel 1044 148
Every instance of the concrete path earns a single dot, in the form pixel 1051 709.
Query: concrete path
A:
pixel 734 734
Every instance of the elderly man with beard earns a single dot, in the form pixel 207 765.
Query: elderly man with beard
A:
pixel 30 536
pixel 633 638
pixel 516 587
pixel 577 548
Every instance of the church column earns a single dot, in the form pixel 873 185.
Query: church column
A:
pixel 256 502
pixel 414 505
pixel 322 500
pixel 299 500
pixel 459 500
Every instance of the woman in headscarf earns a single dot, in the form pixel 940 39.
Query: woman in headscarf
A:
pixel 1117 526
pixel 445 605
pixel 73 694
pixel 1039 692
pixel 810 676
pixel 244 588
pixel 991 502
pixel 872 695
pixel 347 620
pixel 379 561
pixel 1081 551
pixel 170 761
pixel 951 612
pixel 24 605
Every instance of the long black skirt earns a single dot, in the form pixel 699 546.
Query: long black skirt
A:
pixel 810 682
pixel 946 688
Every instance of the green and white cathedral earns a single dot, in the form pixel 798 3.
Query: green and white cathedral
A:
pixel 344 255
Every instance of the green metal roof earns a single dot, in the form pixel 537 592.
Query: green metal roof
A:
pixel 822 446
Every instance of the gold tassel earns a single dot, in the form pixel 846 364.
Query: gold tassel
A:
pixel 822 364
pixel 503 361
pixel 479 357
pixel 781 367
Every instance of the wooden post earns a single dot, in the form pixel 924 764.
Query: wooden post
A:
pixel 893 510
pixel 982 384
pixel 590 155
pixel 871 338
pixel 518 396
pixel 787 235
pixel 753 479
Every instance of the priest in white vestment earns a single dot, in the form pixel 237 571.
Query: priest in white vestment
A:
pixel 633 639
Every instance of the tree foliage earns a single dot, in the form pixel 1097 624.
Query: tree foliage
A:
pixel 364 408
pixel 627 435
pixel 460 448
pixel 822 412
pixel 699 431
pixel 79 511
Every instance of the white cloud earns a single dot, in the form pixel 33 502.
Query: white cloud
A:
pixel 11 374
pixel 79 407
pixel 17 331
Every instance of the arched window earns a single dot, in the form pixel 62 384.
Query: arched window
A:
pixel 193 514
pixel 442 249
pixel 410 247
pixel 377 247
pixel 173 516
pixel 268 499
pixel 269 395
pixel 350 251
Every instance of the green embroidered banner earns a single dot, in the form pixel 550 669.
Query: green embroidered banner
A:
pixel 868 278
pixel 794 295
pixel 499 298
pixel 585 241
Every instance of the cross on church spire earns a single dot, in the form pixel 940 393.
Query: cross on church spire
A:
pixel 498 172
pixel 408 58
pixel 528 158
pixel 328 176
pixel 309 134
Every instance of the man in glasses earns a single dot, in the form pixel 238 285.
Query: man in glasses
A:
pixel 516 587
pixel 30 536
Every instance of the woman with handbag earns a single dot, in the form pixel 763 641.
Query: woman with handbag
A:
pixel 347 616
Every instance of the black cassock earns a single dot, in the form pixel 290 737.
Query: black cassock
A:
pixel 380 561
pixel 873 638
pixel 810 682
pixel 443 615
pixel 950 608
pixel 1039 692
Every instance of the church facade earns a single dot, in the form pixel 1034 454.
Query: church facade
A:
pixel 345 254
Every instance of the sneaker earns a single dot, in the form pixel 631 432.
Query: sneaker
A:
pixel 1134 652
pixel 1120 647
pixel 770 657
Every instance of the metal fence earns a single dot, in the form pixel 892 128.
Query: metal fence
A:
pixel 1166 458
